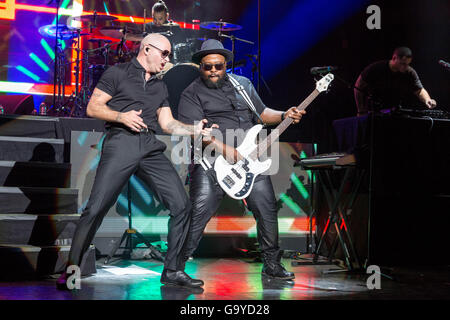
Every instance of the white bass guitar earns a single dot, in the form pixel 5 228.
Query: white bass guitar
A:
pixel 237 179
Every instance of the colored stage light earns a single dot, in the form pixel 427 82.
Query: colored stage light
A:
pixel 39 62
pixel 28 73
pixel 290 203
pixel 15 87
pixel 106 8
pixel 30 88
pixel 303 156
pixel 7 9
pixel 123 201
pixel 299 185
pixel 82 138
pixel 47 49
pixel 141 190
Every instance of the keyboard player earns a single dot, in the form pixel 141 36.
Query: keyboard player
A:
pixel 388 83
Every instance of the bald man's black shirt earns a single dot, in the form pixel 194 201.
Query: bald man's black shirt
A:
pixel 129 90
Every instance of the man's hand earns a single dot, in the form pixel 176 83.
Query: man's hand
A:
pixel 232 155
pixel 202 129
pixel 430 103
pixel 295 114
pixel 132 119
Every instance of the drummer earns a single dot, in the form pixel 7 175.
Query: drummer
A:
pixel 160 15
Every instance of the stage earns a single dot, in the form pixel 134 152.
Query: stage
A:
pixel 237 279
pixel 54 53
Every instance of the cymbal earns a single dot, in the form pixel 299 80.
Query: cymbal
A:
pixel 99 40
pixel 121 32
pixel 135 36
pixel 64 32
pixel 220 26
pixel 170 24
pixel 113 32
pixel 196 39
pixel 94 18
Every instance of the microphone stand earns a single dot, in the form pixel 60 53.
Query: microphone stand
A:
pixel 260 76
pixel 233 39
pixel 56 52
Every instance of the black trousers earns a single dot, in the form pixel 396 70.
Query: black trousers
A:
pixel 206 194
pixel 123 154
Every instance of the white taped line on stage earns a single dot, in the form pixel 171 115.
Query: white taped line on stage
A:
pixel 130 270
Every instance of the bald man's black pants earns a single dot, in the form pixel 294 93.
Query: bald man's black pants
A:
pixel 123 154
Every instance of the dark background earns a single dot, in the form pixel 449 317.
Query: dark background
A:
pixel 295 36
pixel 421 25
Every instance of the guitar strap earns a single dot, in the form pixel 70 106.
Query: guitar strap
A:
pixel 240 89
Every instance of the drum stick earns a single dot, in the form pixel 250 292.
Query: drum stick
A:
pixel 143 26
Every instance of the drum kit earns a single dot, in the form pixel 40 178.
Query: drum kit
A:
pixel 116 44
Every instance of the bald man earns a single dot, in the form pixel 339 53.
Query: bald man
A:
pixel 133 102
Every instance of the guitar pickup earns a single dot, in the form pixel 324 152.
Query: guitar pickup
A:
pixel 236 173
pixel 228 182
pixel 244 166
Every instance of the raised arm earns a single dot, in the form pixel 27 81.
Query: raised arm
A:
pixel 271 116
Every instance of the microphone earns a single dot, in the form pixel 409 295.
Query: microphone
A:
pixel 320 70
pixel 446 65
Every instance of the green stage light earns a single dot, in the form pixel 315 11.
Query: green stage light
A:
pixel 299 185
pixel 290 203
pixel 106 9
pixel 48 49
pixel 39 62
pixel 28 73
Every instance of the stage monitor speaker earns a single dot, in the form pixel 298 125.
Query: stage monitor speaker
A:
pixel 17 104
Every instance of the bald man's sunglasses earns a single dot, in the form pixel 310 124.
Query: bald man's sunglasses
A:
pixel 208 67
pixel 164 53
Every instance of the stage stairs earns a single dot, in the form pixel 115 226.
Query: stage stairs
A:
pixel 38 209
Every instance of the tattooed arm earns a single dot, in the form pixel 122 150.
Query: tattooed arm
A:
pixel 97 108
pixel 170 125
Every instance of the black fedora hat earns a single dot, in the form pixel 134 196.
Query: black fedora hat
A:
pixel 211 46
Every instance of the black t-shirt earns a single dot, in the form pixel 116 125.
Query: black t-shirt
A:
pixel 389 88
pixel 129 90
pixel 224 106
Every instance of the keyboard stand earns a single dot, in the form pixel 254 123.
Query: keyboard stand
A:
pixel 340 207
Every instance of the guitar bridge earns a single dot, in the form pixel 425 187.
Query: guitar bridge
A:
pixel 228 181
